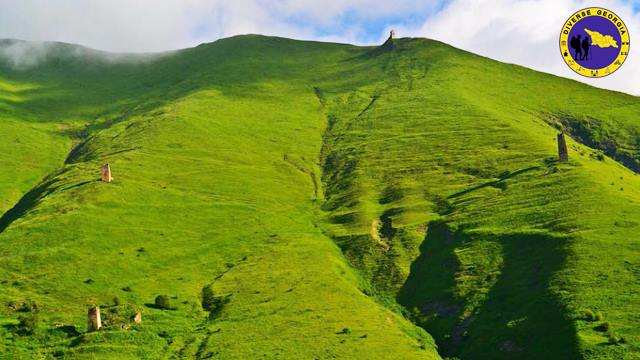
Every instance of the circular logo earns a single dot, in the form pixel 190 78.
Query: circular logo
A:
pixel 594 42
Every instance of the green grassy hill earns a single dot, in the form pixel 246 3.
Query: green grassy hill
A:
pixel 312 200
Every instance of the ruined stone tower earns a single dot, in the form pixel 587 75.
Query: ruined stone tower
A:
pixel 106 173
pixel 392 34
pixel 563 153
pixel 137 318
pixel 94 322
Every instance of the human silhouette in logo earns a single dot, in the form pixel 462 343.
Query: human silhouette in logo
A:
pixel 575 45
pixel 585 46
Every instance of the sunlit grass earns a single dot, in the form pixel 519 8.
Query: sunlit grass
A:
pixel 340 199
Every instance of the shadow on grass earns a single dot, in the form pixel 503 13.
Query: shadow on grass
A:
pixel 154 306
pixel 494 183
pixel 32 198
pixel 11 327
pixel 81 184
pixel 520 317
pixel 69 331
pixel 428 291
pixel 26 203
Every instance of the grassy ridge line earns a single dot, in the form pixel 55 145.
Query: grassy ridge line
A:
pixel 189 204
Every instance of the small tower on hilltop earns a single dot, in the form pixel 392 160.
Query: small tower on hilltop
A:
pixel 388 45
pixel 105 172
pixel 563 153
pixel 94 322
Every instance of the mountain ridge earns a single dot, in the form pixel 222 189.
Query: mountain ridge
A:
pixel 156 54
pixel 308 184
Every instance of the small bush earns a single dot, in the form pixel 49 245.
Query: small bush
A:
pixel 442 205
pixel 116 301
pixel 127 289
pixel 615 339
pixel 28 324
pixel 212 303
pixel 604 327
pixel 345 331
pixel 163 302
pixel 599 316
pixel 27 307
pixel 119 317
pixel 588 315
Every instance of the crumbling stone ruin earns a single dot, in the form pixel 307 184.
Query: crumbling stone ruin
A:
pixel 392 34
pixel 137 318
pixel 94 321
pixel 563 153
pixel 106 173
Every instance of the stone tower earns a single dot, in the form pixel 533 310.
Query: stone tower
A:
pixel 94 322
pixel 137 318
pixel 392 34
pixel 106 173
pixel 563 153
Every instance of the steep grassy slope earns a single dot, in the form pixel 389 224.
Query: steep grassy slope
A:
pixel 452 164
pixel 216 181
pixel 322 197
pixel 30 150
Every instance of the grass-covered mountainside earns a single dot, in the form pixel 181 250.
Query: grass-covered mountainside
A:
pixel 304 200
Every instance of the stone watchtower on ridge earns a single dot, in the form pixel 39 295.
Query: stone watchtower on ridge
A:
pixel 388 45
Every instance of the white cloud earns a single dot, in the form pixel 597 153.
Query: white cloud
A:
pixel 526 33
pixel 519 31
pixel 23 55
pixel 156 25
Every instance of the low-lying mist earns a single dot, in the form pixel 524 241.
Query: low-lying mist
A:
pixel 24 55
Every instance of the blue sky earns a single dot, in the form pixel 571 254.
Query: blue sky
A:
pixel 368 27
pixel 505 30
